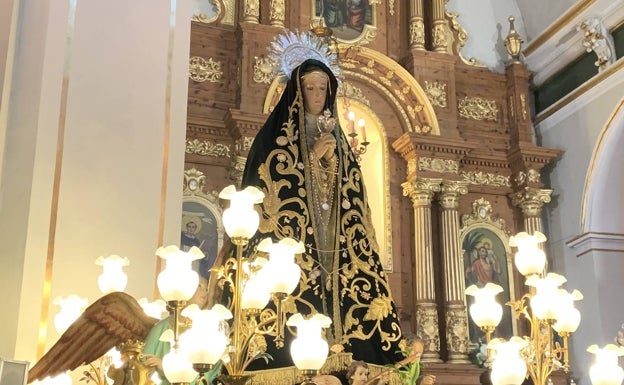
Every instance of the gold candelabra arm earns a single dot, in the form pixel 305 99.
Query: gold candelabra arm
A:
pixel 237 350
pixel 279 337
pixel 488 330
pixel 561 352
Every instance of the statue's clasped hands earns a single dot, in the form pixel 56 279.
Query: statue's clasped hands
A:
pixel 324 146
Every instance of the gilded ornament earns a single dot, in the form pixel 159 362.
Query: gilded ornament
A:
pixel 201 70
pixel 349 91
pixel 531 200
pixel 194 181
pixel 207 148
pixel 263 70
pixel 427 327
pixel 482 212
pixel 486 179
pixel 417 34
pixel 251 11
pixel 513 42
pixel 478 108
pixel 206 15
pixel 237 167
pixel 440 41
pixel 524 107
pixel 436 92
pixel 457 330
pixel 369 68
pixel 243 144
pixel 277 13
pixel 597 38
pixel 228 15
pixel 438 165
pixel 391 7
pixel 511 106
pixel 412 110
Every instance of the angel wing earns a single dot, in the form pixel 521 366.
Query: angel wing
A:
pixel 114 318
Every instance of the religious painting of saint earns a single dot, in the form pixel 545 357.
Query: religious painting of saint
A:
pixel 347 18
pixel 199 228
pixel 485 260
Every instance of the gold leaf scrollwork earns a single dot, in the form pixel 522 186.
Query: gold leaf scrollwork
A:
pixel 201 70
pixel 438 165
pixel 487 179
pixel 263 70
pixel 478 108
pixel 207 148
pixel 436 92
pixel 350 91
pixel 457 330
pixel 413 110
pixel 417 33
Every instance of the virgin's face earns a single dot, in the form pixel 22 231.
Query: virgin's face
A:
pixel 314 92
pixel 360 376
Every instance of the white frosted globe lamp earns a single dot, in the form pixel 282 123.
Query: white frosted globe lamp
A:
pixel 309 350
pixel 178 281
pixel 605 370
pixel 529 258
pixel 508 368
pixel 282 273
pixel 112 278
pixel 546 298
pixel 241 220
pixel 485 311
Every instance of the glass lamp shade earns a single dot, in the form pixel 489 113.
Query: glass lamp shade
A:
pixel 72 307
pixel 309 350
pixel 255 294
pixel 606 371
pixel 546 298
pixel 282 273
pixel 568 318
pixel 204 343
pixel 240 219
pixel 112 278
pixel 529 258
pixel 178 282
pixel 485 311
pixel 508 368
pixel 178 368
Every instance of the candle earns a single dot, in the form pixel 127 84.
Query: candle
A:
pixel 361 123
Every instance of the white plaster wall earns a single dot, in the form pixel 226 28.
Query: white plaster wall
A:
pixel 575 129
pixel 487 25
pixel 539 15
pixel 121 156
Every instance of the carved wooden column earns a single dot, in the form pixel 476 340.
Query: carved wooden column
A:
pixel 531 200
pixel 251 11
pixel 440 27
pixel 421 192
pixel 454 285
pixel 417 25
pixel 278 13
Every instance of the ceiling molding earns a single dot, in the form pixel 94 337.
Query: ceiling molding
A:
pixel 561 43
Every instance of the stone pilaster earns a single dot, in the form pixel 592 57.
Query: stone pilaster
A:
pixel 454 285
pixel 421 192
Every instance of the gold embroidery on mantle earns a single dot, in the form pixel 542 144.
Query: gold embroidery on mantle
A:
pixel 478 108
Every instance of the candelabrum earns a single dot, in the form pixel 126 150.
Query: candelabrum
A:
pixel 548 309
pixel 252 281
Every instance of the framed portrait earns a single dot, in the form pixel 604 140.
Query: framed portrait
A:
pixel 352 21
pixel 487 258
pixel 201 224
